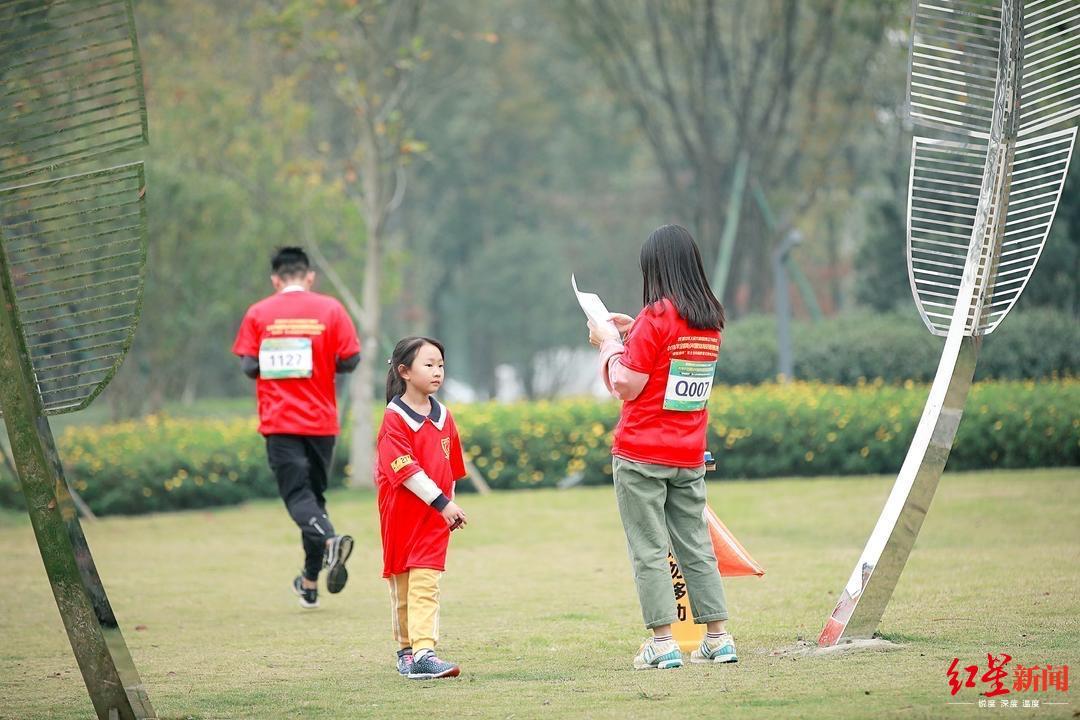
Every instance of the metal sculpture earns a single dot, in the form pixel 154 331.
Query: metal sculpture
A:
pixel 1001 80
pixel 72 253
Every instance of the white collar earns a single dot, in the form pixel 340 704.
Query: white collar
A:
pixel 415 420
pixel 293 288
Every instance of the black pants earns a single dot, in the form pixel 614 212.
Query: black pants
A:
pixel 301 464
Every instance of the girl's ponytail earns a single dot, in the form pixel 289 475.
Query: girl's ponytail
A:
pixel 395 384
pixel 404 354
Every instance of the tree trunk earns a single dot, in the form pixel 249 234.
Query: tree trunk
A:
pixel 710 215
pixel 191 384
pixel 361 390
pixel 759 272
pixel 373 207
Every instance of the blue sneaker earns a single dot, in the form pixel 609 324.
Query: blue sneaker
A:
pixel 658 656
pixel 404 661
pixel 426 666
pixel 720 651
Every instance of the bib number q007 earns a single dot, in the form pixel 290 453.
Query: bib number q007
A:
pixel 281 358
pixel 689 384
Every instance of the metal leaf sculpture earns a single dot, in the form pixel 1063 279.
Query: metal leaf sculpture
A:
pixel 72 254
pixel 75 249
pixel 72 84
pixel 999 83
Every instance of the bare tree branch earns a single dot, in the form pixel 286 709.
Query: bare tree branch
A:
pixel 668 92
pixel 347 297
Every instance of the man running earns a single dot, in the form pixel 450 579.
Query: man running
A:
pixel 292 343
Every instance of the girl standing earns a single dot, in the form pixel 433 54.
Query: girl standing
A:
pixel 663 373
pixel 419 459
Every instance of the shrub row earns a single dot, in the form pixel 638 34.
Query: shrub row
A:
pixel 1038 343
pixel 159 463
pixel 803 428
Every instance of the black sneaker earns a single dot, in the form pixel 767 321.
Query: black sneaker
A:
pixel 337 552
pixel 309 597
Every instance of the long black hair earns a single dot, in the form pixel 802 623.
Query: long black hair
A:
pixel 671 268
pixel 404 354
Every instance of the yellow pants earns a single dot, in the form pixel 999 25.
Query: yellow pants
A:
pixel 414 608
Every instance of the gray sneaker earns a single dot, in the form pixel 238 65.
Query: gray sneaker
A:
pixel 428 667
pixel 404 661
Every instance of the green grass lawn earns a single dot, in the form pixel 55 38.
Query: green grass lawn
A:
pixel 539 609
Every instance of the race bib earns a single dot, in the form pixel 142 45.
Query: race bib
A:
pixel 281 358
pixel 689 384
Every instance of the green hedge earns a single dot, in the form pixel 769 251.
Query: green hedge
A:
pixel 896 347
pixel 775 430
pixel 755 431
pixel 160 463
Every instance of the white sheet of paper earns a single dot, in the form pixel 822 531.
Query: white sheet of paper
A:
pixel 594 309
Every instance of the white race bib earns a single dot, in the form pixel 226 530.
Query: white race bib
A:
pixel 689 384
pixel 281 358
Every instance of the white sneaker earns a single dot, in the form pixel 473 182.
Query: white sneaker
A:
pixel 722 650
pixel 658 656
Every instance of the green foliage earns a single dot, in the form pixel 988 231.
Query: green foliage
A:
pixel 161 463
pixel 230 177
pixel 882 282
pixel 519 154
pixel 1053 283
pixel 799 112
pixel 896 347
pixel 528 178
pixel 778 430
pixel 537 444
pixel 881 277
pixel 527 308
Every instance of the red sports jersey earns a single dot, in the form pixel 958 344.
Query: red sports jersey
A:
pixel 666 423
pixel 414 535
pixel 298 337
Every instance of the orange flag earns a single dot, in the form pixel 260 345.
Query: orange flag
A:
pixel 731 557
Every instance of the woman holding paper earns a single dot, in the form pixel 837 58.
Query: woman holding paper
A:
pixel 660 364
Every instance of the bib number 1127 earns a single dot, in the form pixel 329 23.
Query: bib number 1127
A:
pixel 689 384
pixel 281 358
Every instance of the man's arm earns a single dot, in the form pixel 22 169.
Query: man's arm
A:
pixel 348 364
pixel 250 365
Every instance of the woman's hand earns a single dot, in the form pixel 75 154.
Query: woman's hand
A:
pixel 453 515
pixel 622 323
pixel 598 335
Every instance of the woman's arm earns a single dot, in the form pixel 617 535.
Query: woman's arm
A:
pixel 622 382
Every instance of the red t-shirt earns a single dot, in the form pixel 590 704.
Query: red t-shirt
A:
pixel 307 333
pixel 666 423
pixel 414 535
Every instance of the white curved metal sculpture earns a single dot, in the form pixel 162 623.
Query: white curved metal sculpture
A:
pixel 998 82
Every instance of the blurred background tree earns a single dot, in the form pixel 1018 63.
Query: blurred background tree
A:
pixel 454 162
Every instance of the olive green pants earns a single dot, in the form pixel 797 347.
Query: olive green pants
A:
pixel 661 509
